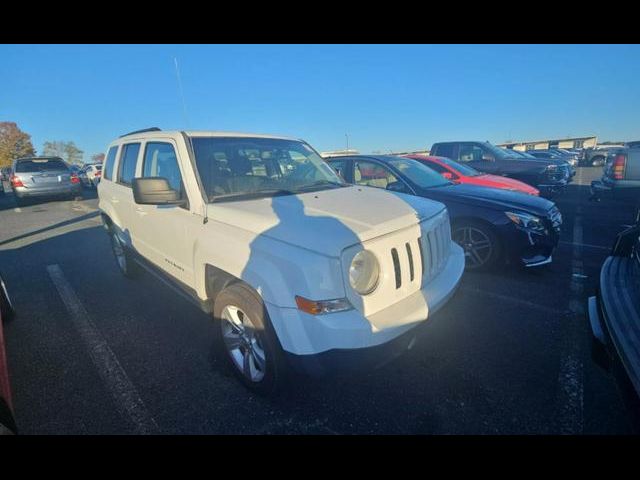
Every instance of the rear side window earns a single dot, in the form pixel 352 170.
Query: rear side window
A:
pixel 445 150
pixel 128 158
pixel 40 165
pixel 160 161
pixel 109 163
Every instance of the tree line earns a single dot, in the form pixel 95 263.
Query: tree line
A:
pixel 14 143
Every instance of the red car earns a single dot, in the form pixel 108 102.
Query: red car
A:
pixel 7 422
pixel 460 173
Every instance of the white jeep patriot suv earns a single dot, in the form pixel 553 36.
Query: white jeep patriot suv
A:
pixel 298 268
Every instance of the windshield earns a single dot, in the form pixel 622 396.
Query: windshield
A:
pixel 236 167
pixel 463 169
pixel 418 173
pixel 40 165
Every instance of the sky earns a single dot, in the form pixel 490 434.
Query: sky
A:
pixel 383 97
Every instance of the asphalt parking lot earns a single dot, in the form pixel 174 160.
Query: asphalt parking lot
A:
pixel 509 354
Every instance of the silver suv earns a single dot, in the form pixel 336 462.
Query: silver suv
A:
pixel 43 177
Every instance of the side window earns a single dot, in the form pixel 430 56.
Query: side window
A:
pixel 109 163
pixel 445 150
pixel 160 160
pixel 339 166
pixel 372 174
pixel 127 167
pixel 470 153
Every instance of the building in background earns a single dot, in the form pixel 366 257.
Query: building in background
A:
pixel 340 153
pixel 573 142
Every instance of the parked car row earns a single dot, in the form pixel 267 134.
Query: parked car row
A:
pixel 549 176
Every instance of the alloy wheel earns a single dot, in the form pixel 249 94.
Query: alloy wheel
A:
pixel 476 245
pixel 243 344
pixel 118 251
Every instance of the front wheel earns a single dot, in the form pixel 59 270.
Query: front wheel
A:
pixel 247 341
pixel 481 245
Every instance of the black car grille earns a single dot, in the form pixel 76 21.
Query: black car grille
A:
pixel 560 173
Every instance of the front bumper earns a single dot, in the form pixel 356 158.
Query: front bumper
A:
pixel 24 192
pixel 526 248
pixel 348 341
pixel 550 189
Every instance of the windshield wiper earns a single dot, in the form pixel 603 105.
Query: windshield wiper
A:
pixel 250 195
pixel 320 183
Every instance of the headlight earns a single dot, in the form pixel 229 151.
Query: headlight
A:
pixel 526 221
pixel 364 272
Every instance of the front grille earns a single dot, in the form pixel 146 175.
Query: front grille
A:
pixel 435 248
pixel 432 254
pixel 562 172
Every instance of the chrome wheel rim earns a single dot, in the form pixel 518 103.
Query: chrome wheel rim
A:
pixel 476 245
pixel 118 251
pixel 243 344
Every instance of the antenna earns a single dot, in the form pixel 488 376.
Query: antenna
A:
pixel 184 105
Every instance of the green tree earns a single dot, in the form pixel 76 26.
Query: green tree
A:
pixel 63 149
pixel 97 158
pixel 14 143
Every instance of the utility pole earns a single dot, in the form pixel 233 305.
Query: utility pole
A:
pixel 347 137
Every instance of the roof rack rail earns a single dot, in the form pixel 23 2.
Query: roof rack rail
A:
pixel 152 129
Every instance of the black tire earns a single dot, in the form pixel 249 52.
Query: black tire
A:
pixel 262 338
pixel 480 232
pixel 124 260
pixel 21 202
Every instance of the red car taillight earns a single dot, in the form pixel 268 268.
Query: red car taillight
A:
pixel 15 181
pixel 74 178
pixel 619 166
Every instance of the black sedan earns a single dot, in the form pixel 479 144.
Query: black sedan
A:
pixel 491 225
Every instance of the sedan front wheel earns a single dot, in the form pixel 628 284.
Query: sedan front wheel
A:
pixel 480 244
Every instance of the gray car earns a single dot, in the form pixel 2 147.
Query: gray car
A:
pixel 43 177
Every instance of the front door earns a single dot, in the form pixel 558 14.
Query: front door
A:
pixel 161 231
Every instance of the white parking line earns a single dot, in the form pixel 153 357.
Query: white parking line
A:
pixel 584 245
pixel 113 375
pixel 570 376
pixel 17 210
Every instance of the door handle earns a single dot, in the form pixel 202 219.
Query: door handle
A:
pixel 141 211
pixel 114 200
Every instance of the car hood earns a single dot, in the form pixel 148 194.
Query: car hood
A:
pixel 326 221
pixel 497 199
pixel 538 162
pixel 504 182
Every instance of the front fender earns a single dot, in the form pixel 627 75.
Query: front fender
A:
pixel 278 271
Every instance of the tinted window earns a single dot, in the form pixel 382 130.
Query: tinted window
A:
pixel 434 166
pixel 109 163
pixel 40 165
pixel 160 161
pixel 127 169
pixel 445 150
pixel 339 166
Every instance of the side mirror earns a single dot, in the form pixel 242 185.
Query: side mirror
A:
pixel 397 187
pixel 155 191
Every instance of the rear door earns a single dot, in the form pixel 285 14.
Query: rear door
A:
pixel 120 194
